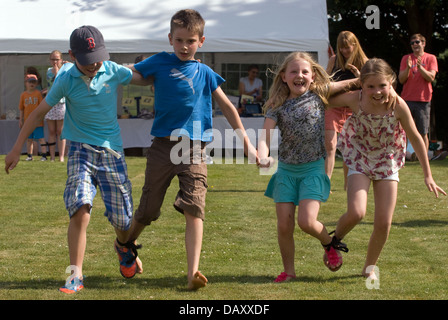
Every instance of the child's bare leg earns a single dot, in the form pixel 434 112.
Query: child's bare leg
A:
pixel 193 245
pixel 51 137
pixel 285 234
pixel 77 235
pixel 385 192
pixel 357 190
pixel 307 220
pixel 29 146
pixel 43 147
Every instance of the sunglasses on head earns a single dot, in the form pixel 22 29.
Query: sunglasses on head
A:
pixel 415 42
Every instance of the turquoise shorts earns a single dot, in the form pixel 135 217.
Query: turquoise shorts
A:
pixel 296 182
pixel 37 134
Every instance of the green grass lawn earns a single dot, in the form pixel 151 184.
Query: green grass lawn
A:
pixel 240 255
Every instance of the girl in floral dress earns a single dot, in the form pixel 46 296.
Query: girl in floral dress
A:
pixel 55 118
pixel 373 144
pixel 296 105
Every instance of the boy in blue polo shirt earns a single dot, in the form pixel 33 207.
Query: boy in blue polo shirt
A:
pixel 96 156
pixel 184 89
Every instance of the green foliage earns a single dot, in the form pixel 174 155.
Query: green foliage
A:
pixel 240 255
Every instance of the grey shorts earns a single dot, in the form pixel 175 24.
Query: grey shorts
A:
pixel 161 169
pixel 421 113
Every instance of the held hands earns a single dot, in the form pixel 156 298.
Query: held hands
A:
pixel 252 154
pixel 266 162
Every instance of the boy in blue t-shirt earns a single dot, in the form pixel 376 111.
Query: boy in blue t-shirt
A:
pixel 184 89
pixel 96 155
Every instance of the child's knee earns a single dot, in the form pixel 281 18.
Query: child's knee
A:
pixel 284 227
pixel 356 215
pixel 306 224
pixel 382 227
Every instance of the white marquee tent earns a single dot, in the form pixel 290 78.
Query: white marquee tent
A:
pixel 31 29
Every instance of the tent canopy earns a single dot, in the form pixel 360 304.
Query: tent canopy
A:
pixel 38 26
pixel 236 31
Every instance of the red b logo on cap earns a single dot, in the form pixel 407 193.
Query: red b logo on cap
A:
pixel 91 43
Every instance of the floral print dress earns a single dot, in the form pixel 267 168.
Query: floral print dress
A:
pixel 372 144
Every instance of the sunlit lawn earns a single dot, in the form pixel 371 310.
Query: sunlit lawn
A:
pixel 240 255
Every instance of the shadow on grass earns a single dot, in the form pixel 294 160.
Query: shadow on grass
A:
pixel 176 283
pixel 234 190
pixel 421 223
pixel 415 223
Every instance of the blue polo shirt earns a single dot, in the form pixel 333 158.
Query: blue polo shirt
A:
pixel 91 104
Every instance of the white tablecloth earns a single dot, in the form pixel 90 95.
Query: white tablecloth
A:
pixel 136 133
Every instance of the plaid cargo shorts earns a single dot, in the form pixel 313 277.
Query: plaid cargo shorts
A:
pixel 89 167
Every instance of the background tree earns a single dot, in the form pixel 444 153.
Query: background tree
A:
pixel 398 20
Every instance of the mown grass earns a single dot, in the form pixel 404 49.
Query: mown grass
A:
pixel 240 255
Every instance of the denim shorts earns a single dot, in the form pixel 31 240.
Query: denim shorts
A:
pixel 421 113
pixel 296 182
pixel 87 170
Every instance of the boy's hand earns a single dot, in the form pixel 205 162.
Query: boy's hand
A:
pixel 11 161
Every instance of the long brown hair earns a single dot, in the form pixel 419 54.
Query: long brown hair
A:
pixel 357 58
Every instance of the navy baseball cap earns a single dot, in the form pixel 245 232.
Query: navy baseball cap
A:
pixel 87 45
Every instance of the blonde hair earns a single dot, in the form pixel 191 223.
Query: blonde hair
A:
pixel 357 58
pixel 189 19
pixel 56 52
pixel 378 67
pixel 279 91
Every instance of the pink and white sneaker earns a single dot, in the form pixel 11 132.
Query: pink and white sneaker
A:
pixel 284 277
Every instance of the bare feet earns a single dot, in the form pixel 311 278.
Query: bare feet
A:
pixel 198 281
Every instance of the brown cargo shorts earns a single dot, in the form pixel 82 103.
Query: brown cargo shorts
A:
pixel 165 160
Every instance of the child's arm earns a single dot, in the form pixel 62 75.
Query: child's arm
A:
pixel 264 142
pixel 138 79
pixel 34 120
pixel 344 85
pixel 22 116
pixel 348 99
pixel 232 116
pixel 404 116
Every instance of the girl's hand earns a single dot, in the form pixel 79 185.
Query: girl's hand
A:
pixel 354 70
pixel 433 187
pixel 392 99
pixel 266 162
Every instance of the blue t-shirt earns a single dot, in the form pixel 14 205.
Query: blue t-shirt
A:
pixel 91 104
pixel 183 96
